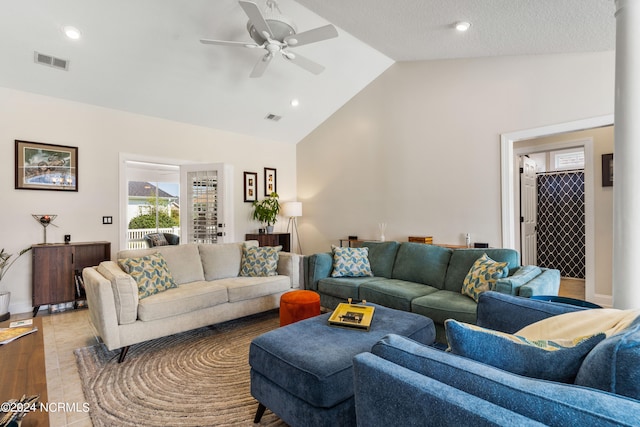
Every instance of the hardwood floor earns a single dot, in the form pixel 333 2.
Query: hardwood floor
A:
pixel 572 288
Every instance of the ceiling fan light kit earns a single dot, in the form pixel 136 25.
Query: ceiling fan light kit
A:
pixel 275 33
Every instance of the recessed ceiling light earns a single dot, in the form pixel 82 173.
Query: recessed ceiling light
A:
pixel 462 26
pixel 295 102
pixel 72 32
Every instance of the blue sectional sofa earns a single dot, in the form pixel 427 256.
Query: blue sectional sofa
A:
pixel 424 279
pixel 420 385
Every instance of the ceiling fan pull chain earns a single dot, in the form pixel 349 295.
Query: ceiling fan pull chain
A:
pixel 273 4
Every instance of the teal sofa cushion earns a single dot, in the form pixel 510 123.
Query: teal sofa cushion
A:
pixel 463 259
pixel 343 287
pixel 442 305
pixel 420 263
pixel 613 364
pixel 394 293
pixel 382 255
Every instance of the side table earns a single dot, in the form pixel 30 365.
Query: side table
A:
pixel 272 239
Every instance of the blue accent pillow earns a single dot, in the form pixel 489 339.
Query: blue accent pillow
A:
pixel 613 364
pixel 542 359
pixel 150 272
pixel 259 261
pixel 351 262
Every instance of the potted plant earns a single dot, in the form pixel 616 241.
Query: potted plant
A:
pixel 266 211
pixel 5 296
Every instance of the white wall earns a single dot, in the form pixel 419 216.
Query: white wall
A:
pixel 419 148
pixel 100 135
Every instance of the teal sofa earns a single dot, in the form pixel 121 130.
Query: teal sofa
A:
pixel 424 279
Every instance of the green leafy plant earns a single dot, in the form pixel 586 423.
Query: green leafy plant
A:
pixel 6 262
pixel 267 210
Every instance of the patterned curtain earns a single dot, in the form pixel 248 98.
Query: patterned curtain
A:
pixel 561 223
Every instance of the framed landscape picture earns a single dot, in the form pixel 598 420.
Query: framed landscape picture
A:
pixel 42 166
pixel 250 186
pixel 270 181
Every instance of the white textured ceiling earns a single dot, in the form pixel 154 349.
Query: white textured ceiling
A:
pixel 143 56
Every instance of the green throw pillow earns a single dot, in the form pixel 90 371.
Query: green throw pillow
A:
pixel 482 276
pixel 150 273
pixel 557 360
pixel 351 262
pixel 259 261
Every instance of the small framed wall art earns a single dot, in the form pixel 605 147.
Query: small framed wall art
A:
pixel 607 170
pixel 270 181
pixel 250 186
pixel 42 166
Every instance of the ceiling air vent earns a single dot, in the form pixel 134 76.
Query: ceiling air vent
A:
pixel 273 117
pixel 51 61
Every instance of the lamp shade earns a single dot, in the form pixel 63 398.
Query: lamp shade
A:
pixel 290 209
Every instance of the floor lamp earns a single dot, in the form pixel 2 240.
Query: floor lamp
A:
pixel 293 210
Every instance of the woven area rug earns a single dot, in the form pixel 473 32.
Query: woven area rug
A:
pixel 196 378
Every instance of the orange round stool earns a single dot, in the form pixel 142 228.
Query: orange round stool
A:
pixel 298 305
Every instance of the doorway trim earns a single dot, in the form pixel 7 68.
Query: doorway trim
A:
pixel 508 183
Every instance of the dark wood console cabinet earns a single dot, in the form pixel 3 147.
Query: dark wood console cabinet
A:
pixel 272 239
pixel 55 266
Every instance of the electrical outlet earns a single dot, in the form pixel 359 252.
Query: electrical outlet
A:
pixel 107 220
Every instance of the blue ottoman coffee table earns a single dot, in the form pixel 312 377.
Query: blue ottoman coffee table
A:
pixel 303 372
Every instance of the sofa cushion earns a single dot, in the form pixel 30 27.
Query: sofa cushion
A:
pixel 125 291
pixel 244 288
pixel 183 299
pixel 220 261
pixel 511 285
pixel 394 293
pixel 351 262
pixel 463 259
pixel 532 398
pixel 543 359
pixel 420 263
pixel 150 273
pixel 183 260
pixel 343 287
pixel 157 239
pixel 443 305
pixel 482 276
pixel 259 261
pixel 613 364
pixel 382 255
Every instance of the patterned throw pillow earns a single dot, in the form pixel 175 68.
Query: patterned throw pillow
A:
pixel 557 360
pixel 259 261
pixel 482 276
pixel 158 239
pixel 351 262
pixel 150 273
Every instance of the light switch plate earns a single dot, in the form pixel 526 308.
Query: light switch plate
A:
pixel 107 220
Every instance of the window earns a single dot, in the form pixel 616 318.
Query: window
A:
pixel 568 159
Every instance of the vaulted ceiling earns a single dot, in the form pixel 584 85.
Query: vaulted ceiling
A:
pixel 144 56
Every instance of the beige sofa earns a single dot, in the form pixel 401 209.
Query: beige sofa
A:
pixel 209 291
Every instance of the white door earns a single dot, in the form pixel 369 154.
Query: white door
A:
pixel 206 203
pixel 528 210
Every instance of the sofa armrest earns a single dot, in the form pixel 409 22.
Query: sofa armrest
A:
pixel 318 266
pixel 507 313
pixel 548 402
pixel 102 307
pixel 511 284
pixel 547 283
pixel 387 394
pixel 290 264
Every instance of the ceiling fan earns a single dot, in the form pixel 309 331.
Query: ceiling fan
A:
pixel 275 33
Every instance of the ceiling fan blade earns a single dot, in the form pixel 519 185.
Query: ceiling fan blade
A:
pixel 228 43
pixel 302 62
pixel 256 18
pixel 312 36
pixel 261 65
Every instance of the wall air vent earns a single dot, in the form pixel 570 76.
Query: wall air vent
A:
pixel 273 117
pixel 51 61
